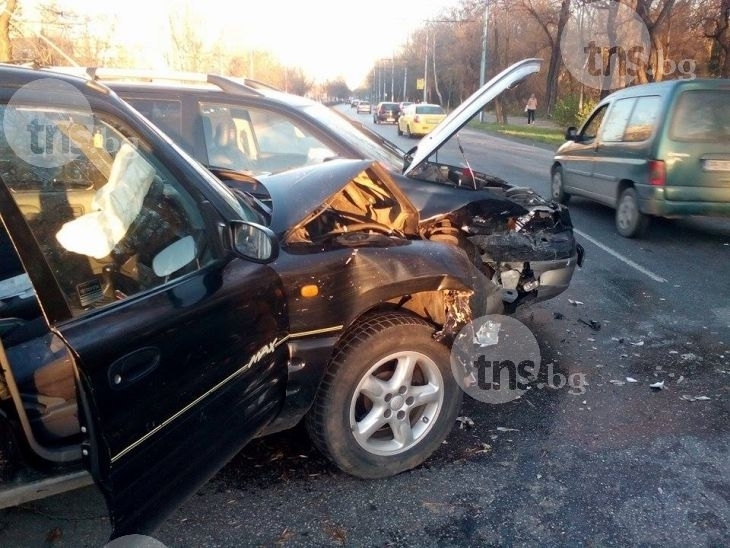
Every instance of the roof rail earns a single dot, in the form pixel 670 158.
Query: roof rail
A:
pixel 224 83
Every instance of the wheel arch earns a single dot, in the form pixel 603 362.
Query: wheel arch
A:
pixel 622 185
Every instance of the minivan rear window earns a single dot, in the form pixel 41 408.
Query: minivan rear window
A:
pixel 701 115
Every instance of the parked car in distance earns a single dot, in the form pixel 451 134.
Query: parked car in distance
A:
pixel 385 113
pixel 354 103
pixel 659 149
pixel 363 107
pixel 419 119
pixel 401 107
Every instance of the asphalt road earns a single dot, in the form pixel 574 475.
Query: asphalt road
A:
pixel 601 460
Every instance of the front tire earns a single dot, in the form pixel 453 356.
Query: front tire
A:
pixel 388 399
pixel 630 222
pixel 557 185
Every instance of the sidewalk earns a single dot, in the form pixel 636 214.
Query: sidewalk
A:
pixel 521 120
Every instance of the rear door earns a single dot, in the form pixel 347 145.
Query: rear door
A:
pixel 178 344
pixel 698 146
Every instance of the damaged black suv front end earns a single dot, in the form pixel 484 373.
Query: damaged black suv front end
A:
pixel 518 239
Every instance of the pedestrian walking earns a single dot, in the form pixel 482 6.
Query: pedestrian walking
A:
pixel 530 109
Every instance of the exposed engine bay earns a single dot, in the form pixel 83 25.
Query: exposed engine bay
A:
pixel 504 230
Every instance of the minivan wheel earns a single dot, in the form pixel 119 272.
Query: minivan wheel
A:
pixel 557 185
pixel 388 398
pixel 630 222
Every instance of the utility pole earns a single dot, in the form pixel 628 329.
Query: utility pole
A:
pixel 483 67
pixel 425 71
pixel 392 79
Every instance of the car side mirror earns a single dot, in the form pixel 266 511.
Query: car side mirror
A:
pixel 254 242
pixel 571 134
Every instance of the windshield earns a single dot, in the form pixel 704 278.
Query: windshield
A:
pixel 369 146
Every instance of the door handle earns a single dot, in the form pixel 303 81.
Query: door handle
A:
pixel 132 367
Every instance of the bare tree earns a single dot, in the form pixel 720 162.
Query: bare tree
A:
pixel 717 28
pixel 187 44
pixel 6 14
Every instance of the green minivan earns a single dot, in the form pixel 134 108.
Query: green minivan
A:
pixel 659 149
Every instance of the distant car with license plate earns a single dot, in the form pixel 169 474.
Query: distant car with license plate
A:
pixel 420 119
pixel 363 107
pixel 385 113
pixel 659 149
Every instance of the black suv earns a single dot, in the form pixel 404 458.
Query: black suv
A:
pixel 153 320
pixel 386 113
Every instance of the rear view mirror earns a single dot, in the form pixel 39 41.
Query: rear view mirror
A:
pixel 571 134
pixel 175 256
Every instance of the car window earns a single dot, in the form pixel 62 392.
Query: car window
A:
pixel 165 114
pixel 429 109
pixel 643 119
pixel 590 129
pixel 367 146
pixel 701 115
pixel 615 124
pixel 257 140
pixel 109 218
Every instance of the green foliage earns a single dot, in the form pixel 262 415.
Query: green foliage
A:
pixel 568 112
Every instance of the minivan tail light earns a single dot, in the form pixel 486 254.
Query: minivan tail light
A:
pixel 657 173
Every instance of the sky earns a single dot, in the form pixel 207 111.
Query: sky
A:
pixel 328 39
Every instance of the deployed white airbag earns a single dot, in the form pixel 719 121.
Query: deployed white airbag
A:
pixel 115 205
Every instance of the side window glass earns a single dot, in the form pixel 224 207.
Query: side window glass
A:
pixel 590 128
pixel 643 119
pixel 618 117
pixel 258 141
pixel 110 220
pixel 165 114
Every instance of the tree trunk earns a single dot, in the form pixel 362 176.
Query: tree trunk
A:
pixel 556 57
pixel 6 53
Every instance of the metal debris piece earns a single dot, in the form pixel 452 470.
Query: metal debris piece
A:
pixel 657 385
pixel 638 343
pixel 574 303
pixel 593 324
pixel 631 379
pixel 464 422
pixel 617 383
pixel 687 397
pixel 505 429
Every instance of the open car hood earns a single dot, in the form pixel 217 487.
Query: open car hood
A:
pixel 461 115
pixel 300 194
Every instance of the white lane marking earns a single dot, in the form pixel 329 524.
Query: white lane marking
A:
pixel 620 257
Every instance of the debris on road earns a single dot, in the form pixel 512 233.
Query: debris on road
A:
pixel 593 324
pixel 657 385
pixel 631 379
pixel 687 397
pixel 505 429
pixel 616 382
pixel 464 422
pixel 575 303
